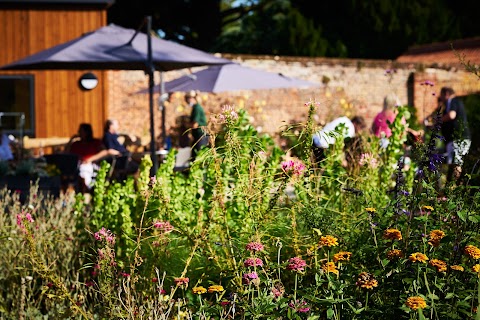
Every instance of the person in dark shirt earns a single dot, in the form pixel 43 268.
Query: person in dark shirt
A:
pixel 110 140
pixel 198 121
pixel 455 131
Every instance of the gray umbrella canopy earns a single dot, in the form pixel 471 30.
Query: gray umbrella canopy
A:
pixel 232 77
pixel 116 48
pixel 112 48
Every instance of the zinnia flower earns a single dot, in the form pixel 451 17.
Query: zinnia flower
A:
pixel 342 256
pixel 392 234
pixel 435 237
pixel 296 264
pixel 440 265
pixel 199 290
pixel 476 268
pixel 416 303
pixel 215 288
pixel 394 254
pixel 254 246
pixel 253 262
pixel 328 241
pixel 472 251
pixel 457 268
pixel 330 267
pixel 418 257
pixel 366 280
pixel 370 210
pixel 427 208
pixel 181 281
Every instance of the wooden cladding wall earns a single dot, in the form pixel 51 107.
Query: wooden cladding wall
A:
pixel 60 104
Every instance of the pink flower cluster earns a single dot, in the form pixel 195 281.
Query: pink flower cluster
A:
pixel 299 306
pixel 296 264
pixel 21 217
pixel 312 103
pixel 248 277
pixel 254 246
pixel 228 114
pixel 253 262
pixel 106 235
pixel 367 159
pixel 163 226
pixel 293 167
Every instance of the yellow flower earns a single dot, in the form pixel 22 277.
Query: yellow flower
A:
pixel 371 210
pixel 215 288
pixel 476 268
pixel 457 268
pixel 392 234
pixel 416 303
pixel 394 254
pixel 472 251
pixel 342 256
pixel 328 241
pixel 366 280
pixel 437 234
pixel 330 267
pixel 199 290
pixel 428 208
pixel 418 257
pixel 440 265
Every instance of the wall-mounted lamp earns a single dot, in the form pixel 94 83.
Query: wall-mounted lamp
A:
pixel 88 81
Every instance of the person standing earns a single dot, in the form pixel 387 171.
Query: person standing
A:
pixel 198 121
pixel 455 131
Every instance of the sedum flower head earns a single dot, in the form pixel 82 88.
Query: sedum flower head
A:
pixel 418 257
pixel 415 303
pixel 392 234
pixel 342 256
pixel 328 241
pixel 293 167
pixel 472 251
pixel 199 290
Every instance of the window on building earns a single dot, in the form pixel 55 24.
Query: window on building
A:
pixel 17 104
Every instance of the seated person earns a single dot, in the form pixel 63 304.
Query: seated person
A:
pixel 110 140
pixel 5 151
pixel 88 150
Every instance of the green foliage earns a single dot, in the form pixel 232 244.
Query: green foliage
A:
pixel 248 233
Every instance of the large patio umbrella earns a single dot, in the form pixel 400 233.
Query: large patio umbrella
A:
pixel 231 77
pixel 116 48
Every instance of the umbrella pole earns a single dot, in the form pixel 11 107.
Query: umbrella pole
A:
pixel 150 70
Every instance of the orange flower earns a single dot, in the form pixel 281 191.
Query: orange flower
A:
pixel 416 303
pixel 427 208
pixel 328 241
pixel 437 234
pixel 215 288
pixel 439 264
pixel 330 267
pixel 392 234
pixel 476 268
pixel 366 280
pixel 418 257
pixel 342 256
pixel 371 210
pixel 394 254
pixel 472 251
pixel 199 290
pixel 457 268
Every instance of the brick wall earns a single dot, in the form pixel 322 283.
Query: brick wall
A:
pixel 347 87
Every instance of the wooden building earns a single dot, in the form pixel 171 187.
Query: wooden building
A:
pixel 53 102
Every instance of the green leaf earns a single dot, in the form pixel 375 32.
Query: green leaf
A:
pixel 330 313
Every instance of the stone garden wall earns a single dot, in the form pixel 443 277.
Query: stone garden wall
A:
pixel 346 87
